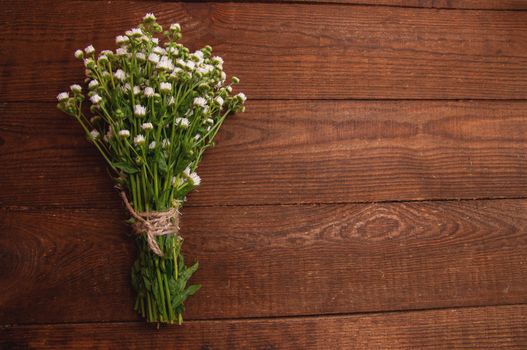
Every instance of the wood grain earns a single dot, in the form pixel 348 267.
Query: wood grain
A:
pixel 476 328
pixel 285 152
pixel 260 261
pixel 437 4
pixel 305 52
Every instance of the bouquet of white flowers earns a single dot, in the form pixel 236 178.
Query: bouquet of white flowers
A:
pixel 155 108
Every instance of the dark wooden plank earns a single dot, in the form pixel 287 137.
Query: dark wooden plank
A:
pixel 437 4
pixel 476 328
pixel 292 152
pixel 259 261
pixel 304 52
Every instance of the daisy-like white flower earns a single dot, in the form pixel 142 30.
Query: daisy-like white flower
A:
pixel 126 87
pixel 94 134
pixel 195 179
pixel 149 92
pixel 139 139
pixel 89 49
pixel 139 111
pixel 124 133
pixel 158 50
pixel 147 126
pixel 76 88
pixel 135 32
pixel 175 27
pixel 149 17
pixel 183 122
pixel 121 40
pixel 242 96
pixel 217 60
pixel 172 50
pixel 197 137
pixel 153 58
pixel 190 65
pixel 219 100
pixel 140 56
pixel 95 99
pixel 63 96
pixel 155 41
pixel 200 101
pixel 120 74
pixel 165 64
pixel 136 90
pixel 165 143
pixel 199 55
pixel 79 54
pixel 89 62
pixel 229 89
pixel 102 59
pixel 152 145
pixel 93 84
pixel 223 76
pixel 121 51
pixel 165 87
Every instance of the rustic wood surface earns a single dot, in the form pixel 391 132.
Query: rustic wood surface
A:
pixel 481 328
pixel 374 194
pixel 295 51
pixel 300 152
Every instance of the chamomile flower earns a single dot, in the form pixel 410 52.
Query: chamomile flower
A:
pixel 195 179
pixel 76 88
pixel 140 56
pixel 94 134
pixel 183 122
pixel 175 27
pixel 165 64
pixel 165 87
pixel 79 54
pixel 139 111
pixel 95 99
pixel 63 96
pixel 121 52
pixel 200 102
pixel 124 133
pixel 139 139
pixel 158 50
pixel 153 58
pixel 149 17
pixel 147 126
pixel 121 40
pixel 93 84
pixel 120 74
pixel 152 145
pixel 135 32
pixel 149 92
pixel 242 96
pixel 89 49
pixel 219 100
pixel 136 90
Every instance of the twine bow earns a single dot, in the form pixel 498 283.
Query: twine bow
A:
pixel 153 224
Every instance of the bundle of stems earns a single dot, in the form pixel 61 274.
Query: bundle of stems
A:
pixel 155 108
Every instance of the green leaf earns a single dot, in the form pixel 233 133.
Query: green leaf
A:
pixel 162 164
pixel 127 168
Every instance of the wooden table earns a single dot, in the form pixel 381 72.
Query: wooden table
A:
pixel 374 194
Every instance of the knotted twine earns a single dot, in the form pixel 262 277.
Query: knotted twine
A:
pixel 153 224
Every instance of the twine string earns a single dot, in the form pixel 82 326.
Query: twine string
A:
pixel 153 224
